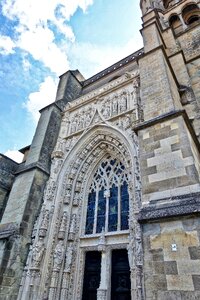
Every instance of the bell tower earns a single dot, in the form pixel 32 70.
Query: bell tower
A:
pixel 171 37
pixel 170 95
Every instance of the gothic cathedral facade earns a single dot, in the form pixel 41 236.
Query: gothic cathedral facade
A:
pixel 106 203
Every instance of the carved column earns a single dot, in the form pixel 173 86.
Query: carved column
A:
pixel 67 272
pixel 54 284
pixel 102 291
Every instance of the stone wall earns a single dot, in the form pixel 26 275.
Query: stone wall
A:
pixel 15 237
pixel 172 259
pixel 190 43
pixel 7 170
pixel 168 164
pixel 158 89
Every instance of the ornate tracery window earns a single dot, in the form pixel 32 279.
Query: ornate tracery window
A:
pixel 108 199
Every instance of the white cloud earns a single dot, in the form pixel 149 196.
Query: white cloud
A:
pixel 41 98
pixel 6 45
pixel 41 46
pixel 35 22
pixel 14 155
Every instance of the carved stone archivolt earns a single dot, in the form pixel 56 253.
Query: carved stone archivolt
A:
pixel 59 241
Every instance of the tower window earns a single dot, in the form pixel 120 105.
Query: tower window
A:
pixel 169 3
pixel 108 199
pixel 176 24
pixel 191 14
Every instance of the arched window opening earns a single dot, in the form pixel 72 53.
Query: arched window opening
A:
pixel 191 14
pixel 193 19
pixel 170 3
pixel 108 199
pixel 176 24
pixel 166 3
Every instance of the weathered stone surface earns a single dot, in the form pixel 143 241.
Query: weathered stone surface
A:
pixel 7 169
pixel 120 149
pixel 196 282
pixel 194 252
pixel 171 268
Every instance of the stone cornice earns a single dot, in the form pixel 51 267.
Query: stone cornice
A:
pixel 114 67
pixel 170 208
pixel 30 167
pixel 9 229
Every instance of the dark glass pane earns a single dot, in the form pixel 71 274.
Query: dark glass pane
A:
pixel 120 278
pixel 90 213
pixel 91 275
pixel 124 221
pixel 101 212
pixel 124 206
pixel 104 164
pixel 112 162
pixel 113 207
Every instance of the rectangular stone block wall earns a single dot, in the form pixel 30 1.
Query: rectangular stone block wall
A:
pixel 169 160
pixel 151 37
pixel 172 259
pixel 7 170
pixel 158 89
pixel 23 206
pixel 194 72
pixel 190 43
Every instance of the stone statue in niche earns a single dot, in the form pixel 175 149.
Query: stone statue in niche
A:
pixel 63 225
pixel 76 199
pixel 135 90
pixel 58 255
pixel 67 195
pixel 57 165
pixel 44 223
pixel 123 102
pixel 115 105
pixel 131 253
pixel 74 124
pixel 106 111
pixel 37 253
pixel 72 228
pixel 138 250
pixel 81 120
pixel 87 119
pixel 68 258
pixel 126 122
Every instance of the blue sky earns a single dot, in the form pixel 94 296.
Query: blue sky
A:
pixel 40 40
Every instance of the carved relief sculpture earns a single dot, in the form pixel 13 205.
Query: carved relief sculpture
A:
pixel 37 253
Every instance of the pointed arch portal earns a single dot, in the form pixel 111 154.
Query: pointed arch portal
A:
pixel 93 234
pixel 99 180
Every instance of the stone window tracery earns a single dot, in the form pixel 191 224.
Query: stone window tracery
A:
pixel 108 199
